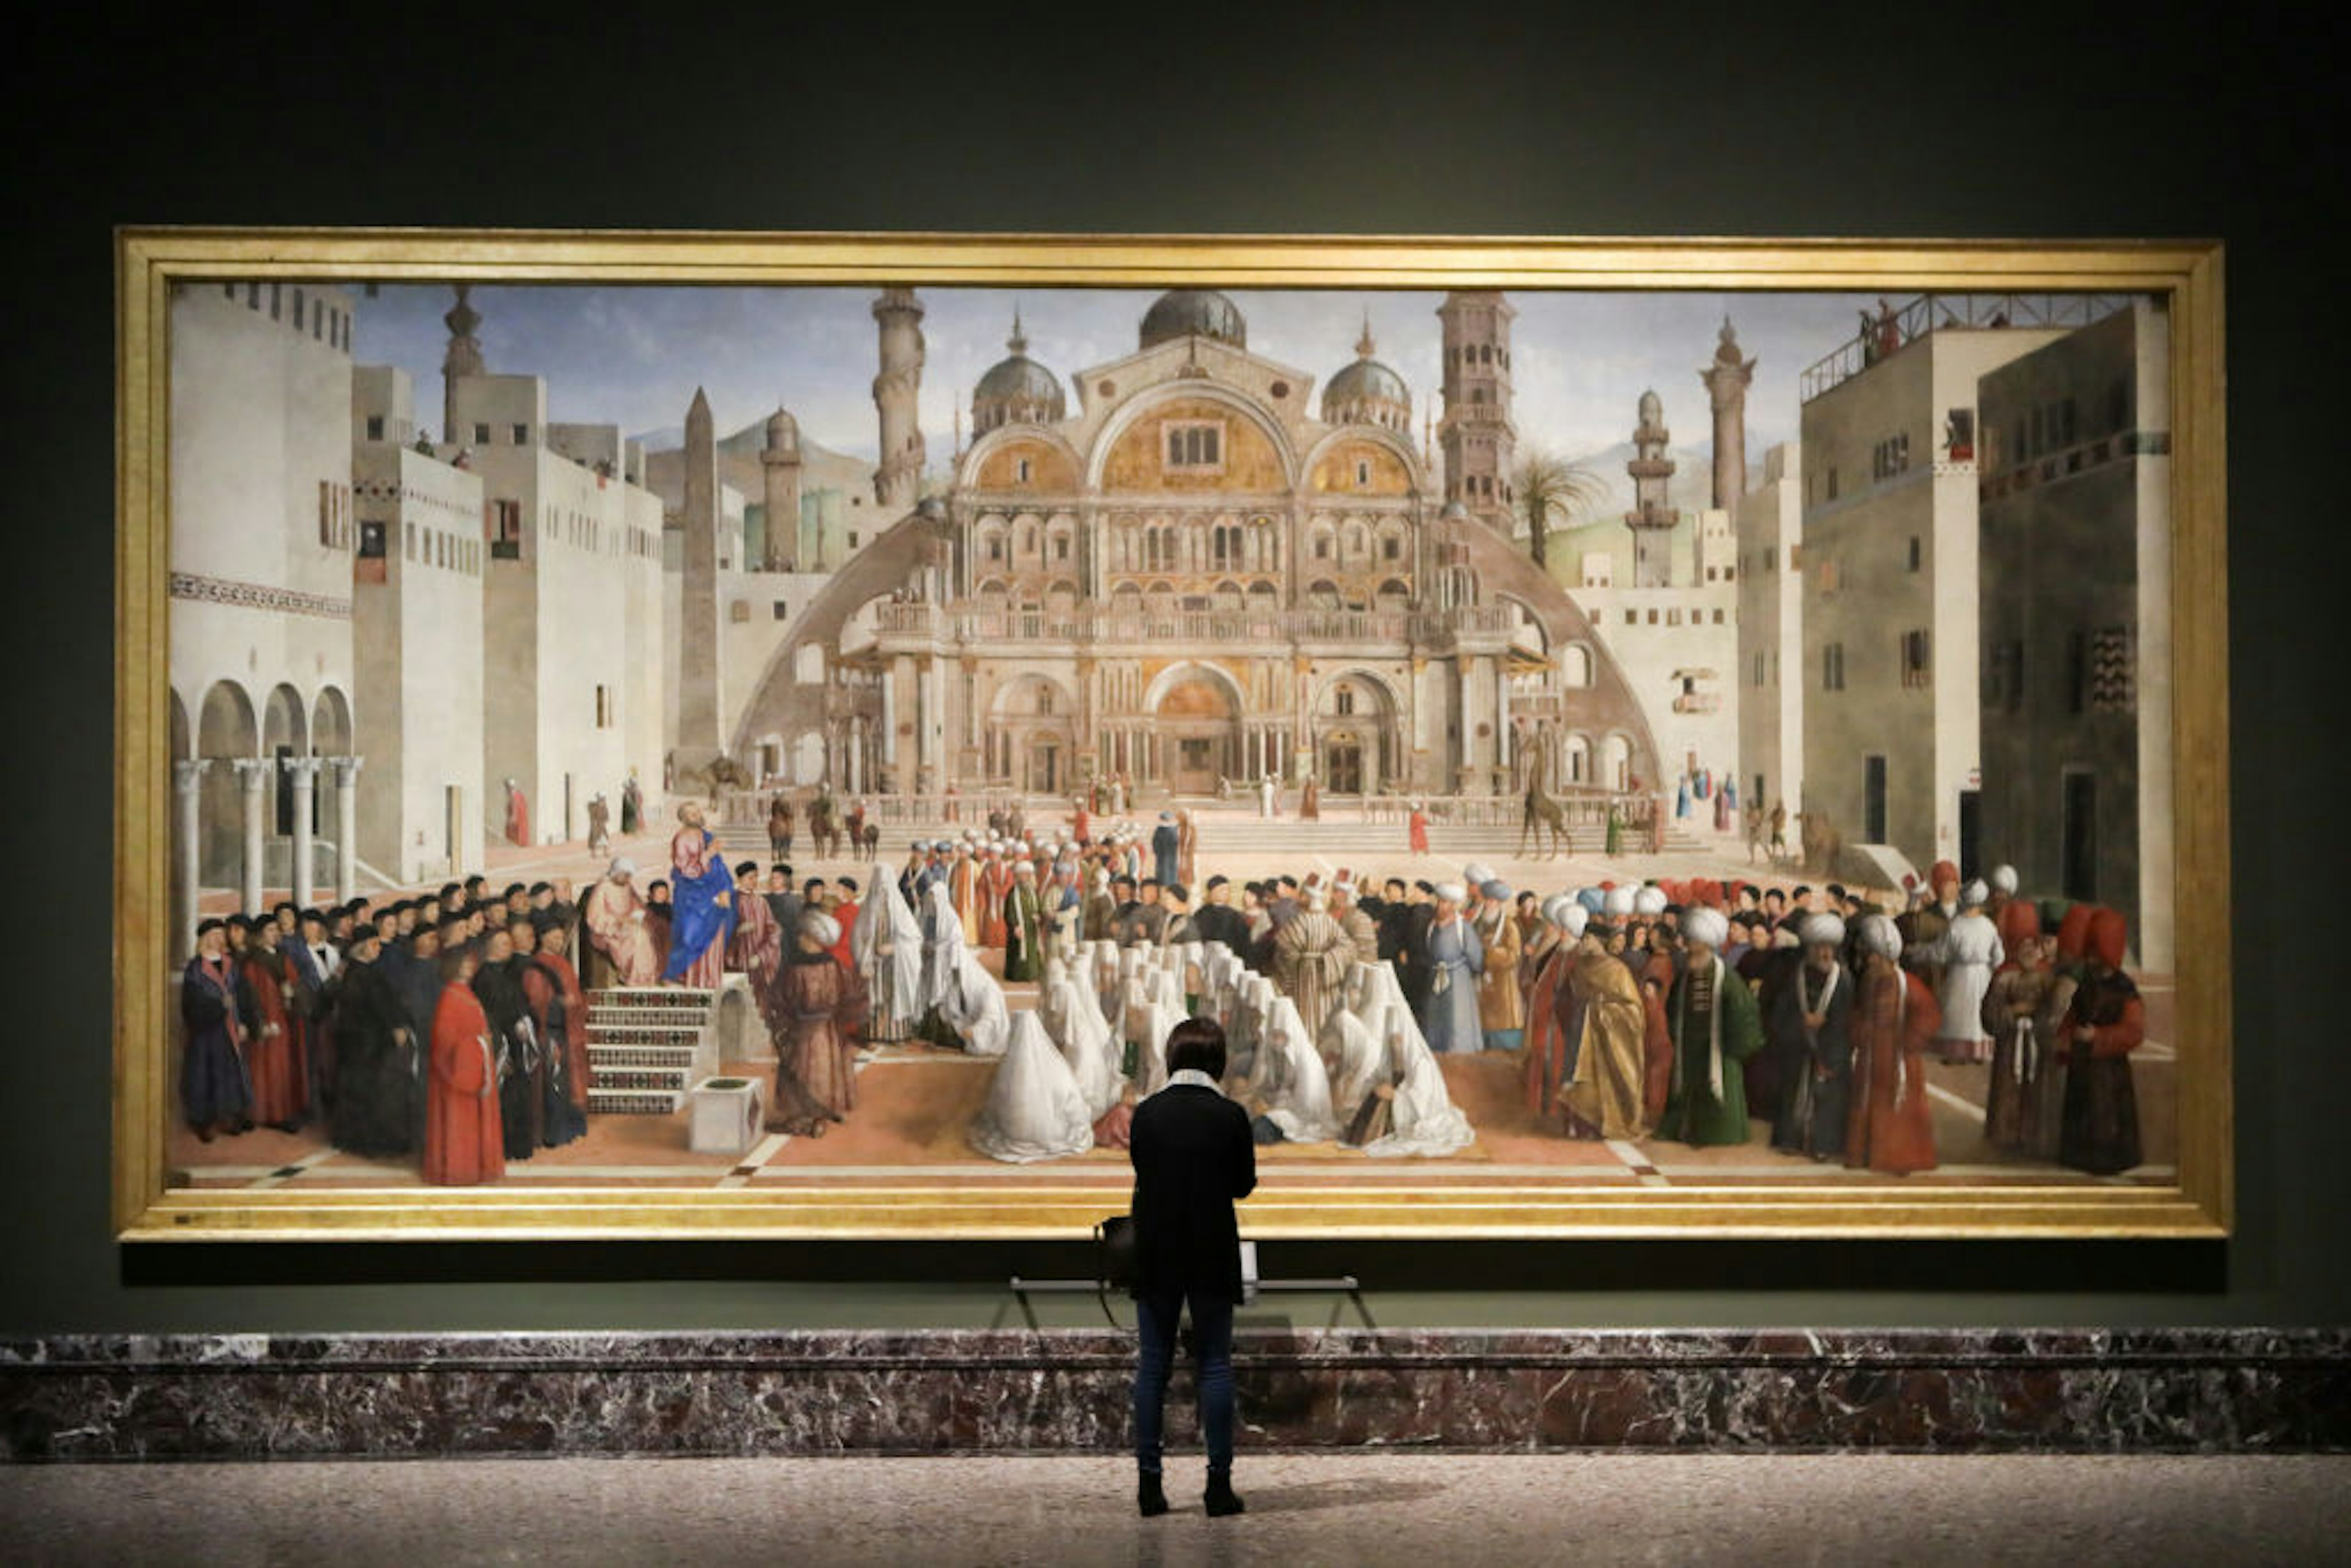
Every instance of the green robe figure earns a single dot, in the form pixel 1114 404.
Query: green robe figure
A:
pixel 1615 833
pixel 1715 1026
pixel 1024 928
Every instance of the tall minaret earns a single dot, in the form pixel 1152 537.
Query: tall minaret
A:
pixel 464 357
pixel 1480 441
pixel 700 672
pixel 1651 519
pixel 898 480
pixel 1725 382
pixel 779 466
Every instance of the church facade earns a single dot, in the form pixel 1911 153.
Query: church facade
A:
pixel 1201 573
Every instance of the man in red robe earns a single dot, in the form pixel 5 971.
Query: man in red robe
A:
pixel 464 1141
pixel 844 914
pixel 1890 1126
pixel 996 881
pixel 275 1033
pixel 756 947
pixel 518 815
pixel 2016 919
pixel 552 987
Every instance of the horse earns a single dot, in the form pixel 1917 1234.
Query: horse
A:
pixel 873 842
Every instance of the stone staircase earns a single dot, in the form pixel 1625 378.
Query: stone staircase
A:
pixel 644 1042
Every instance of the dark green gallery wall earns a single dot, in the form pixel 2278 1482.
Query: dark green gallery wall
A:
pixel 1933 120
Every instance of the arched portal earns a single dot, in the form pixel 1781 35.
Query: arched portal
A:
pixel 1577 757
pixel 226 733
pixel 1616 761
pixel 285 730
pixel 1358 745
pixel 1198 732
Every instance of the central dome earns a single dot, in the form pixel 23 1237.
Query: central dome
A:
pixel 1194 313
pixel 1017 391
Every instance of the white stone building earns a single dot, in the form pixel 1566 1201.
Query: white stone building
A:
pixel 1771 667
pixel 1893 712
pixel 574 561
pixel 417 598
pixel 262 535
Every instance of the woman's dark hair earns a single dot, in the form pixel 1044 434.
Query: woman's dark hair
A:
pixel 1197 1043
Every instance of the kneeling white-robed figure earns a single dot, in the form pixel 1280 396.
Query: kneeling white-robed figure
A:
pixel 1355 1059
pixel 1421 1116
pixel 1035 1110
pixel 1075 1022
pixel 1296 1091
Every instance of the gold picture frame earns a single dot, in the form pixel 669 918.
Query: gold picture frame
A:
pixel 2186 275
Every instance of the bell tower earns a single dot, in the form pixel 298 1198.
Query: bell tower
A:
pixel 897 391
pixel 1480 441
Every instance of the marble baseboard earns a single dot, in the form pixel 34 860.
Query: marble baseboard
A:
pixel 247 1397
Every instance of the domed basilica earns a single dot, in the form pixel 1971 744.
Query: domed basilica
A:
pixel 1199 572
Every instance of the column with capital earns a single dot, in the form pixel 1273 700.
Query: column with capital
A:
pixel 253 773
pixel 1502 736
pixel 346 827
pixel 187 849
pixel 301 774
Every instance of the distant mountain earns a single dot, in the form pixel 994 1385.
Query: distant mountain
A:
pixel 667 438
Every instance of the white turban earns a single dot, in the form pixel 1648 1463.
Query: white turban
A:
pixel 1649 901
pixel 2003 877
pixel 1554 909
pixel 1315 898
pixel 1452 893
pixel 1567 915
pixel 1029 866
pixel 1477 876
pixel 1708 926
pixel 622 866
pixel 819 927
pixel 1880 936
pixel 1617 901
pixel 1974 892
pixel 1495 888
pixel 1821 930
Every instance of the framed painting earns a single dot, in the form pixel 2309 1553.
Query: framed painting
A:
pixel 629 735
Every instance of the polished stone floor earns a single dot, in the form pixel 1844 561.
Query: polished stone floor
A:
pixel 1357 1509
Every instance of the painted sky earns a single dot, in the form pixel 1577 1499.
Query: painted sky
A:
pixel 633 356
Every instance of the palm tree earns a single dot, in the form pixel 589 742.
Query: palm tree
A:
pixel 1552 490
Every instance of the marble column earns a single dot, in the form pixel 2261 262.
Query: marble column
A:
pixel 301 777
pixel 901 671
pixel 253 773
pixel 187 849
pixel 346 827
pixel 1501 720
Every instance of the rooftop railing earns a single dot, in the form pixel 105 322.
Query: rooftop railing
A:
pixel 1885 333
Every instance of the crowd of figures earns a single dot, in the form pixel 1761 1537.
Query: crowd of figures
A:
pixel 450 1028
pixel 1684 1011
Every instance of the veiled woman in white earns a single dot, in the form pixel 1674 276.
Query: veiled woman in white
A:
pixel 1245 1034
pixel 1969 950
pixel 1355 1059
pixel 1075 1022
pixel 1422 1118
pixel 1159 1018
pixel 964 996
pixel 1295 1090
pixel 886 946
pixel 1035 1110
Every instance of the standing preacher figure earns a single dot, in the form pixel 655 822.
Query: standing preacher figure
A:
pixel 1193 1158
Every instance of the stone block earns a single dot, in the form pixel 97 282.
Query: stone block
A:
pixel 725 1115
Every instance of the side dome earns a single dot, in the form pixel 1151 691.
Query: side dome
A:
pixel 1367 392
pixel 1017 391
pixel 1194 313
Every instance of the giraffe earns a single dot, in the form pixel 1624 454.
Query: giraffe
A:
pixel 1540 811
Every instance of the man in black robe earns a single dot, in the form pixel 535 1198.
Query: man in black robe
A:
pixel 378 1061
pixel 521 1069
pixel 1217 921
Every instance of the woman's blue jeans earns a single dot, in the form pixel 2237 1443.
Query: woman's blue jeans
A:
pixel 1156 1314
